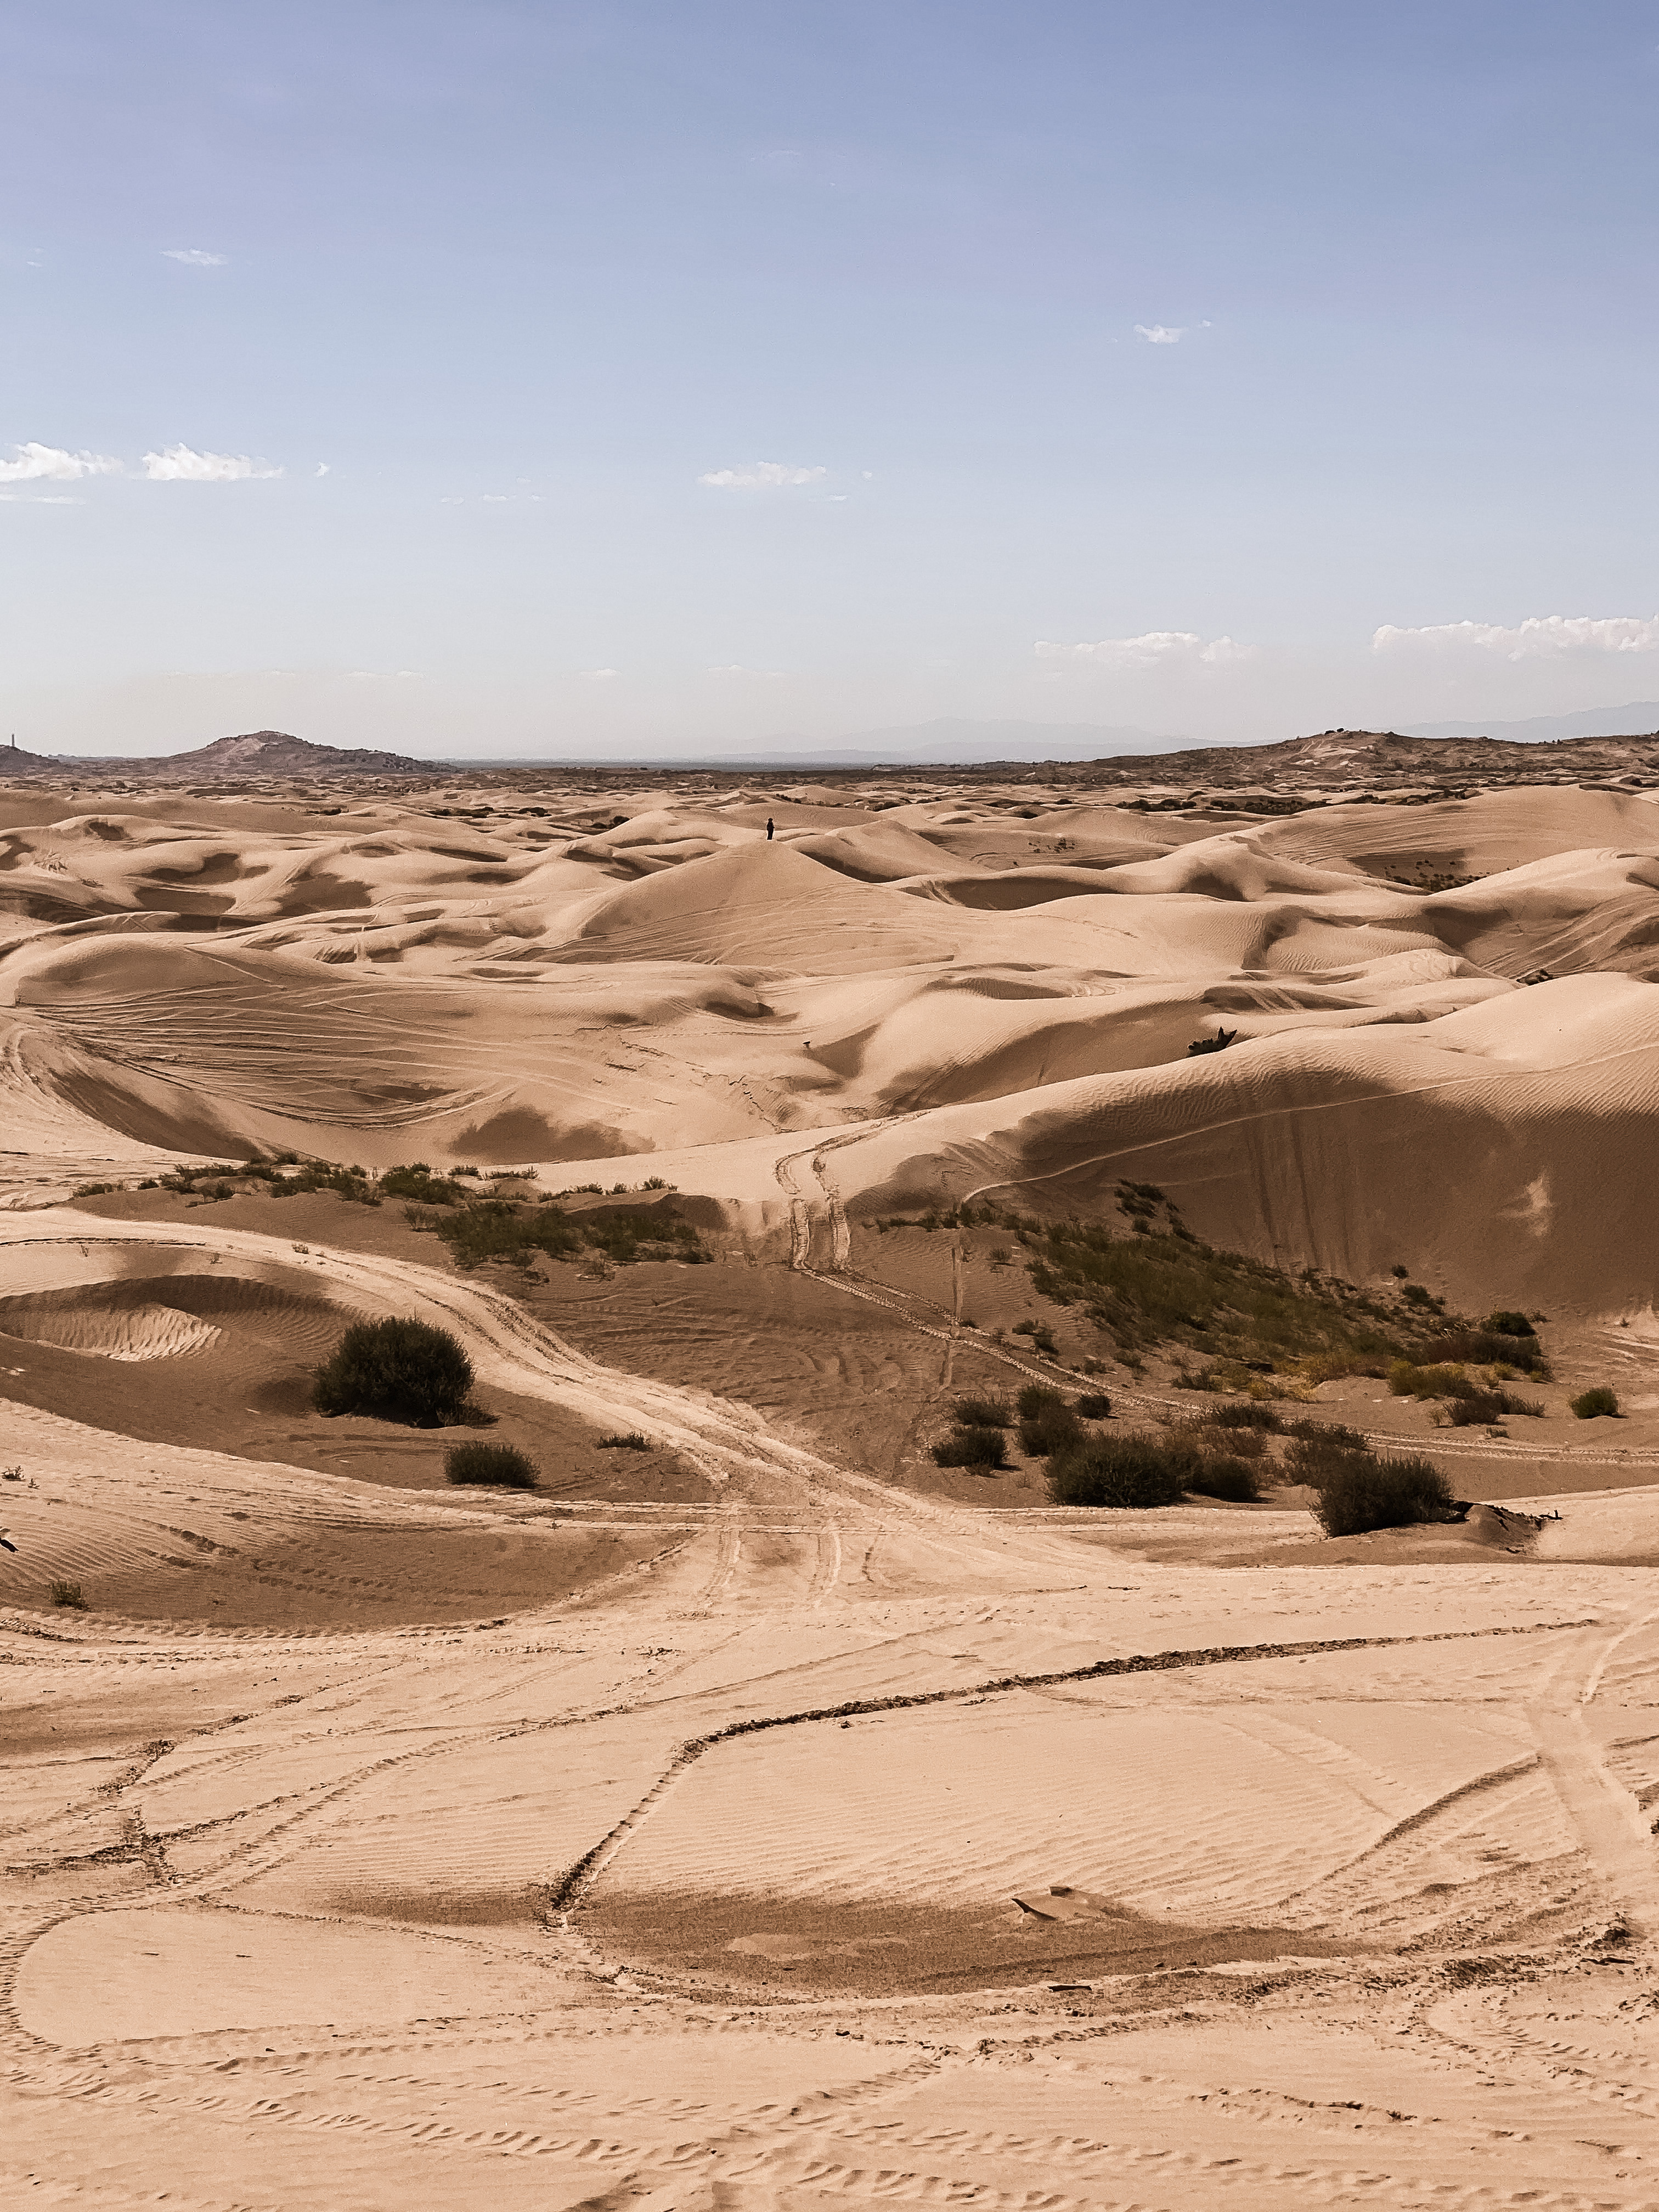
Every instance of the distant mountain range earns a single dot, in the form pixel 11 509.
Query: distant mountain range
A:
pixel 1634 721
pixel 260 753
pixel 1596 741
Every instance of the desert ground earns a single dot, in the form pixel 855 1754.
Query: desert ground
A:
pixel 758 1123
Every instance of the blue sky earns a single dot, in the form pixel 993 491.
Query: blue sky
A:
pixel 685 374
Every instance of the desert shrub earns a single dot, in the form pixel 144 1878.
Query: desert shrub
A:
pixel 1317 1446
pixel 1359 1491
pixel 498 1464
pixel 417 1181
pixel 1590 1403
pixel 1224 1443
pixel 93 1189
pixel 1227 1477
pixel 625 1440
pixel 490 1229
pixel 1094 1406
pixel 1039 1332
pixel 69 1593
pixel 983 1413
pixel 1046 1423
pixel 1471 1407
pixel 1507 1321
pixel 1136 1471
pixel 972 1446
pixel 401 1370
pixel 1244 1413
pixel 1407 1380
pixel 1481 1347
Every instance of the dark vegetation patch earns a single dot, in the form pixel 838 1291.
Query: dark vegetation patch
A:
pixel 398 1370
pixel 1146 1280
pixel 503 1466
pixel 972 1446
pixel 1588 1404
pixel 1358 1490
pixel 983 1413
pixel 507 1229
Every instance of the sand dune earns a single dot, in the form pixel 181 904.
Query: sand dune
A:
pixel 755 1817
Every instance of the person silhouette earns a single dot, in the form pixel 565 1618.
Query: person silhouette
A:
pixel 769 827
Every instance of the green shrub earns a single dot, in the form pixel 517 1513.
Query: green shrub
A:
pixel 68 1594
pixel 1359 1492
pixel 626 1440
pixel 1590 1403
pixel 972 1446
pixel 500 1465
pixel 1227 1478
pixel 1132 1472
pixel 398 1371
pixel 1094 1406
pixel 1509 1322
pixel 983 1413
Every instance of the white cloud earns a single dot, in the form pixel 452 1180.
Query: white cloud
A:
pixel 182 465
pixel 736 668
pixel 194 257
pixel 1536 638
pixel 1159 334
pixel 1155 648
pixel 322 468
pixel 35 463
pixel 598 675
pixel 760 475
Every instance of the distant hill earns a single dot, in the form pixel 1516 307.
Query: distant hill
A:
pixel 260 753
pixel 1634 719
pixel 1347 760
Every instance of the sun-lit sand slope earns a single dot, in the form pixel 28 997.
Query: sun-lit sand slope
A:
pixel 746 1831
pixel 993 994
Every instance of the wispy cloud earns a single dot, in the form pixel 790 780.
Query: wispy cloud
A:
pixel 322 468
pixel 183 465
pixel 1538 637
pixel 36 463
pixel 760 475
pixel 735 668
pixel 1154 648
pixel 195 256
pixel 598 675
pixel 1159 333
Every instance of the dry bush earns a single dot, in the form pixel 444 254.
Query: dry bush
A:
pixel 1590 1403
pixel 1132 1471
pixel 399 1371
pixel 983 1413
pixel 1359 1492
pixel 1046 1423
pixel 972 1446
pixel 499 1464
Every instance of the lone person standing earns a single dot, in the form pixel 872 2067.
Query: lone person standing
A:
pixel 769 827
